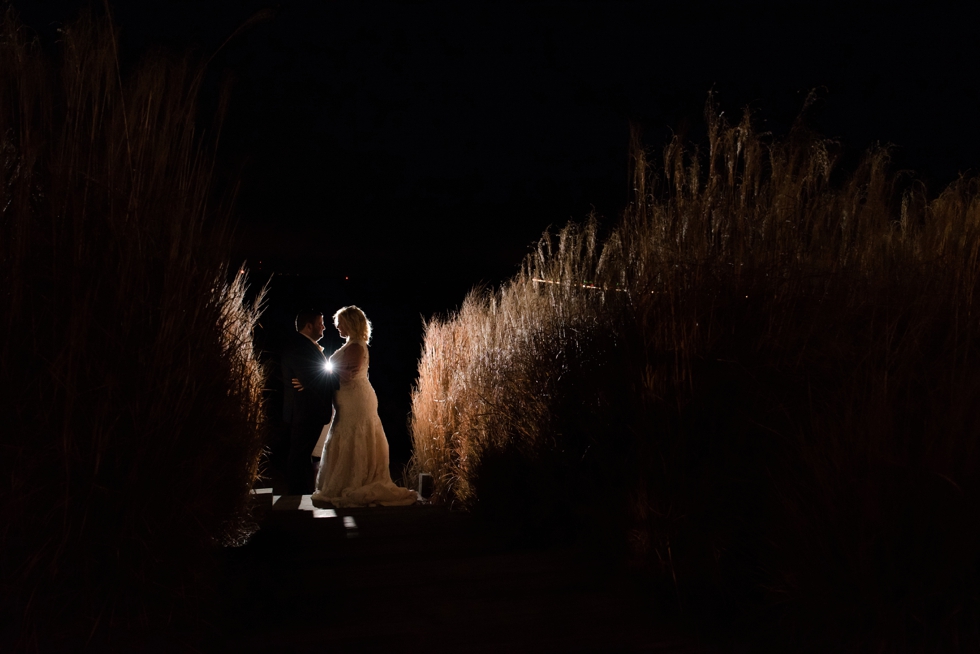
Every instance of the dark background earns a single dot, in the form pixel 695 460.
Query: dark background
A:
pixel 397 154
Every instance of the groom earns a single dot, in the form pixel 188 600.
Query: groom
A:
pixel 309 409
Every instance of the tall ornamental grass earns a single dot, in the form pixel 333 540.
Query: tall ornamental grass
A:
pixel 764 382
pixel 129 392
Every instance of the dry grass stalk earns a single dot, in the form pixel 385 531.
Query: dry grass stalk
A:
pixel 130 392
pixel 768 367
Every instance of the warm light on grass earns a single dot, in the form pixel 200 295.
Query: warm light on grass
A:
pixel 777 411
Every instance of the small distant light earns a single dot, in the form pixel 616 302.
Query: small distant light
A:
pixel 346 278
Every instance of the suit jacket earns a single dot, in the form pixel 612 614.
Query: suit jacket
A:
pixel 303 360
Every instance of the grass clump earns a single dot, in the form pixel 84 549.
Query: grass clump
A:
pixel 763 380
pixel 130 394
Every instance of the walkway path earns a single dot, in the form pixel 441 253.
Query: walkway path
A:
pixel 422 579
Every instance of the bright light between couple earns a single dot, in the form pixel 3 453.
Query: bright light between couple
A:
pixel 332 412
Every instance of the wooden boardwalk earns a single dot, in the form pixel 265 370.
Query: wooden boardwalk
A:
pixel 422 579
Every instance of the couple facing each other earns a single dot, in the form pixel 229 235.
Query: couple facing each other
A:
pixel 353 468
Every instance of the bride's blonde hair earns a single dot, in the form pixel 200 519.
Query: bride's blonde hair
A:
pixel 355 323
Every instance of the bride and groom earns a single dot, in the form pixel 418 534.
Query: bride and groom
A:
pixel 353 469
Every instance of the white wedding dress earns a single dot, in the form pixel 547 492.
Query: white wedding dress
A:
pixel 354 461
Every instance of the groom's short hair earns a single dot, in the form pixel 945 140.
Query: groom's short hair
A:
pixel 306 317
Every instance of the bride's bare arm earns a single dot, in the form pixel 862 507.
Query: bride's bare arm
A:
pixel 349 363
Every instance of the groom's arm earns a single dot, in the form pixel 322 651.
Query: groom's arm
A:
pixel 332 382
pixel 311 375
pixel 316 378
pixel 289 366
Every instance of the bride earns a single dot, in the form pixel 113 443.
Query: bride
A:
pixel 354 461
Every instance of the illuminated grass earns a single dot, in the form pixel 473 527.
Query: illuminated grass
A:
pixel 778 415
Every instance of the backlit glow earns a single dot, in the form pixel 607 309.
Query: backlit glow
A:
pixel 328 366
pixel 538 280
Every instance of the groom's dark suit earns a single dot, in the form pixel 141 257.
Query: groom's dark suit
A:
pixel 307 410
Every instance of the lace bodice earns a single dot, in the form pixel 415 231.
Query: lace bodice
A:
pixel 351 361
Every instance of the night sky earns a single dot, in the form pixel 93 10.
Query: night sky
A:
pixel 395 154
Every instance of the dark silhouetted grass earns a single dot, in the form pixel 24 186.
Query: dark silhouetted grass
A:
pixel 129 392
pixel 763 383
